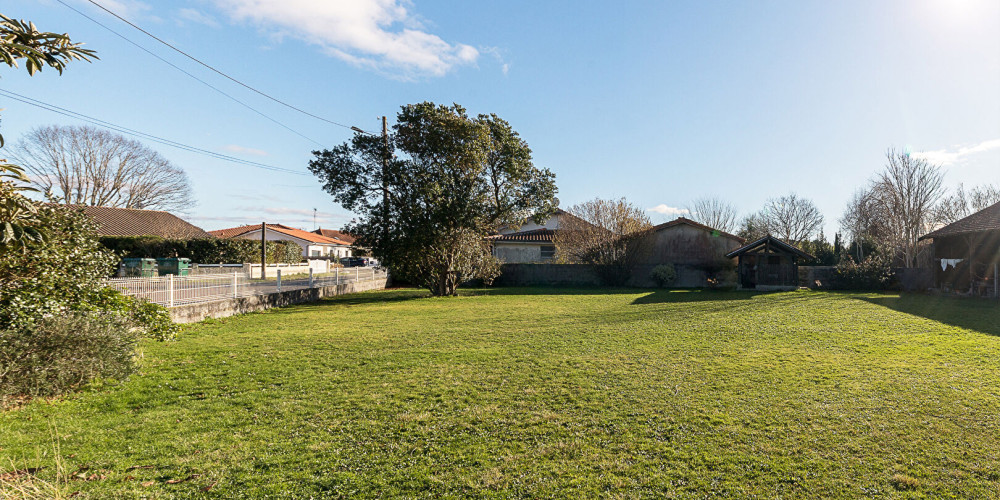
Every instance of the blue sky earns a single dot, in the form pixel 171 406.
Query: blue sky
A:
pixel 658 102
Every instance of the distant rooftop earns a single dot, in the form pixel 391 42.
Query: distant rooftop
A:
pixel 113 221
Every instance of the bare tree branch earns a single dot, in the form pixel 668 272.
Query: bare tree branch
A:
pixel 714 212
pixel 90 166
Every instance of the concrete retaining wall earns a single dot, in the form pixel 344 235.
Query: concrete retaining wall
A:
pixel 223 308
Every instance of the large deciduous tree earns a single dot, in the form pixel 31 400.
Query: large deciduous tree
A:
pixel 791 218
pixel 603 234
pixel 429 194
pixel 88 166
pixel 902 198
pixel 715 213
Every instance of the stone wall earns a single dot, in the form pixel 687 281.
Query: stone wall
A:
pixel 223 308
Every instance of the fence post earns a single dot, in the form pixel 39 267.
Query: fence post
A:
pixel 235 285
pixel 170 280
pixel 310 277
pixel 279 279
pixel 337 276
pixel 357 273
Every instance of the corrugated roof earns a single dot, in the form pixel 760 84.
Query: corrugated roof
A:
pixel 279 228
pixel 112 221
pixel 987 219
pixel 533 236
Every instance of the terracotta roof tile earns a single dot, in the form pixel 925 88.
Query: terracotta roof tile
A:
pixel 113 221
pixel 279 228
pixel 333 233
pixel 987 219
pixel 535 236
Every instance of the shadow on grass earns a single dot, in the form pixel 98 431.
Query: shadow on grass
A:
pixel 680 296
pixel 980 315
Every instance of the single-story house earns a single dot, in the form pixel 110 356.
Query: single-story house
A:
pixel 112 221
pixel 967 253
pixel 313 245
pixel 768 264
pixel 532 242
pixel 697 252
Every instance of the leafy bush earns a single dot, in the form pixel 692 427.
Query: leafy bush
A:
pixel 873 274
pixel 62 353
pixel 204 251
pixel 664 275
pixel 53 277
pixel 67 274
pixel 150 320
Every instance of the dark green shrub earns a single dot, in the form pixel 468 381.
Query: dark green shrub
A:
pixel 150 320
pixel 203 251
pixel 62 353
pixel 872 274
pixel 53 277
pixel 664 275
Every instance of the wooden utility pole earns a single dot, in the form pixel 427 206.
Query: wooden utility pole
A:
pixel 385 184
pixel 263 250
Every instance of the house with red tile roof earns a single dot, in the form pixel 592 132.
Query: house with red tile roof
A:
pixel 313 245
pixel 532 242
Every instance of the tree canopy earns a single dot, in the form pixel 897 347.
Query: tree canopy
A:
pixel 428 194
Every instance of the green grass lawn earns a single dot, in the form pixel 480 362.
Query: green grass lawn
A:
pixel 543 393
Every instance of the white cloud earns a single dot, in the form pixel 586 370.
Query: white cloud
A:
pixel 665 210
pixel 198 17
pixel 378 34
pixel 957 154
pixel 129 9
pixel 235 148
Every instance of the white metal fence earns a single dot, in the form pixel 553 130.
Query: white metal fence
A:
pixel 173 290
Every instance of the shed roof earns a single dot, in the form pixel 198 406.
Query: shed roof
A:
pixel 683 220
pixel 279 228
pixel 987 219
pixel 113 221
pixel 771 241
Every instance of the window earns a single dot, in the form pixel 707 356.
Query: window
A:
pixel 314 253
pixel 548 252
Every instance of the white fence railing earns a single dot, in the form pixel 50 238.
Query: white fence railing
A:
pixel 173 290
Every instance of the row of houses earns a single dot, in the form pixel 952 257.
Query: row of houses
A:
pixel 133 222
pixel 966 253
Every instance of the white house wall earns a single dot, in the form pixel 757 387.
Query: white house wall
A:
pixel 518 253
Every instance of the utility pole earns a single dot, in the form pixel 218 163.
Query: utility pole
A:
pixel 263 250
pixel 385 185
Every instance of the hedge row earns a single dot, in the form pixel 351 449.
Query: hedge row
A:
pixel 203 251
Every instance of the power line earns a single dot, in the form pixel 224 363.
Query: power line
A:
pixel 178 68
pixel 135 133
pixel 206 65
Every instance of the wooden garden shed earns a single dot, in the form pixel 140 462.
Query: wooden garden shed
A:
pixel 967 253
pixel 768 264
